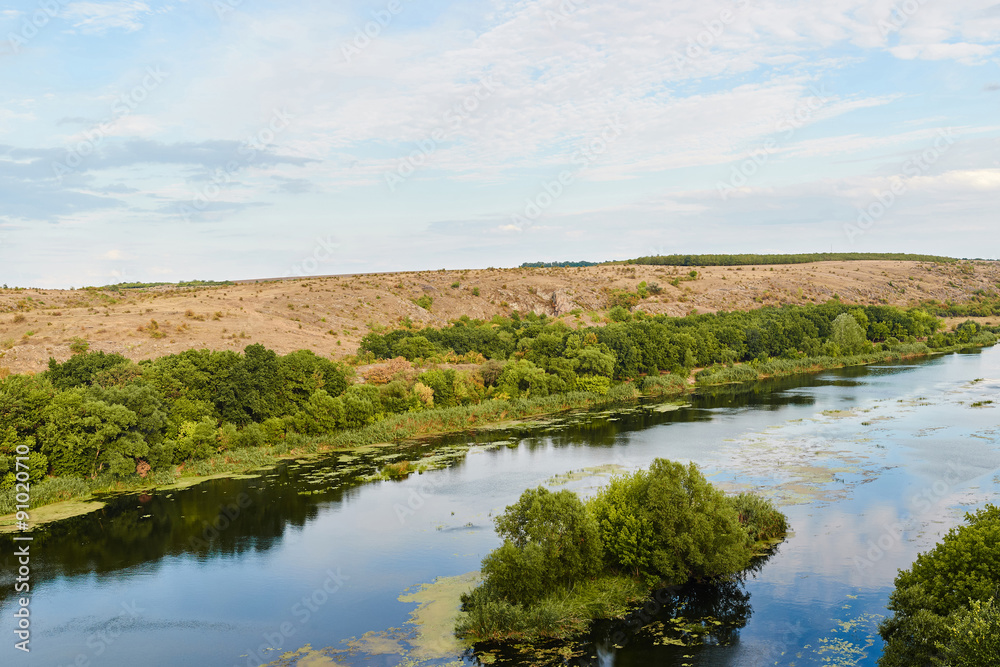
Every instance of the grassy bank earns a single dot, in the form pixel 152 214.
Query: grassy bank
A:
pixel 773 368
pixel 393 429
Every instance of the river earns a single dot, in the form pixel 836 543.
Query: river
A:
pixel 306 564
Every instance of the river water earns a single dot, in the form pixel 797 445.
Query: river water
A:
pixel 306 564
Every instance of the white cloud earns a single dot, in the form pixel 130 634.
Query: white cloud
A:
pixel 99 17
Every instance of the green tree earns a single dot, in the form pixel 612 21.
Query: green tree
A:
pixel 550 542
pixel 80 369
pixel 321 414
pixel 670 524
pixel 523 378
pixel 848 335
pixel 936 592
pixel 84 436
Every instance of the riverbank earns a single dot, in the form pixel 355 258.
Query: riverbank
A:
pixel 57 498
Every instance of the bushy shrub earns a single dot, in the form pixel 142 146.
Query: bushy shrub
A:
pixel 596 384
pixel 670 524
pixel 759 518
pixel 523 378
pixel 619 314
pixel 550 542
pixel 973 638
pixel 658 385
pixel 385 373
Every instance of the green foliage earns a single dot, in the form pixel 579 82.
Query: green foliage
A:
pixel 80 369
pixel 759 517
pixel 652 344
pixel 542 265
pixel 670 524
pixel 322 413
pixel 597 384
pixel 443 384
pixel 251 390
pixel 624 298
pixel 973 638
pixel 362 406
pixel 196 440
pixel 414 347
pixel 523 378
pixel 934 596
pixel 592 360
pixel 563 564
pixel 619 314
pixel 565 612
pixel 83 435
pixel 661 385
pixel 78 345
pixel 848 334
pixel 550 542
pixel 425 301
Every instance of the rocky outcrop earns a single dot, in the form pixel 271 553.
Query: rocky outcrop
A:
pixel 561 303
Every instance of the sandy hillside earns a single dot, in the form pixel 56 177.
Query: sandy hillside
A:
pixel 329 315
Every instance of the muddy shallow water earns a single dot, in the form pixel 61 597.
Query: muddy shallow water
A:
pixel 317 563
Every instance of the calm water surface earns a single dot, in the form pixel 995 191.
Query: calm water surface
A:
pixel 872 465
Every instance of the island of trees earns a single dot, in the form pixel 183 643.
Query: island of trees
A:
pixel 565 562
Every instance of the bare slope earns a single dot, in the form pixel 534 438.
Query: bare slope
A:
pixel 330 315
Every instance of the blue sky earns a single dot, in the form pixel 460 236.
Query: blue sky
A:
pixel 222 139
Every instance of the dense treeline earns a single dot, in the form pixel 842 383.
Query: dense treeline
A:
pixel 981 304
pixel 547 265
pixel 565 562
pixel 117 287
pixel 547 356
pixel 946 607
pixel 802 258
pixel 100 413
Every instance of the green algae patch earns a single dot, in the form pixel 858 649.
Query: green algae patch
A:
pixel 584 473
pixel 434 618
pixel 428 638
pixel 669 407
pixel 65 509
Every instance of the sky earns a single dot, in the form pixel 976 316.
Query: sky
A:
pixel 238 139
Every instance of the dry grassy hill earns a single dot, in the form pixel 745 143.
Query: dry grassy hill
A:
pixel 329 315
